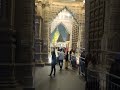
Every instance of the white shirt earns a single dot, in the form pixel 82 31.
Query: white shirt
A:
pixel 61 55
pixel 56 52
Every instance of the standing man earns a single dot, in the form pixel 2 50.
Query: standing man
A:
pixel 56 53
pixel 53 63
pixel 61 58
pixel 82 63
pixel 66 60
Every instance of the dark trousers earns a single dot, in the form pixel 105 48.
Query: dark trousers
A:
pixel 61 63
pixel 82 66
pixel 57 60
pixel 66 64
pixel 53 68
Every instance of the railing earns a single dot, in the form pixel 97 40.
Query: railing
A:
pixel 102 81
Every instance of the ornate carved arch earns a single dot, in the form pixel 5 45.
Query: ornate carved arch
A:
pixel 60 10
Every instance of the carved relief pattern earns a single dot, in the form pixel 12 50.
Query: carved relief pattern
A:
pixel 75 34
pixel 96 27
pixel 54 9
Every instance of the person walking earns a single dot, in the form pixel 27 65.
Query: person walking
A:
pixel 56 53
pixel 53 63
pixel 61 58
pixel 66 60
pixel 71 53
pixel 73 60
pixel 82 63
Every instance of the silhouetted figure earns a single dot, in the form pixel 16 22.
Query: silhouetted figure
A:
pixel 56 53
pixel 61 58
pixel 71 53
pixel 66 60
pixel 73 60
pixel 53 64
pixel 82 63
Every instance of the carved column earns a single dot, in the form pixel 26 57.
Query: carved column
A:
pixel 24 25
pixel 7 45
pixel 75 33
pixel 87 6
pixel 44 32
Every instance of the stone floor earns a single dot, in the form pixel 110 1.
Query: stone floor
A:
pixel 64 80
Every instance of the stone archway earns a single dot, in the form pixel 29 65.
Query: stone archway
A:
pixel 73 13
pixel 52 11
pixel 68 25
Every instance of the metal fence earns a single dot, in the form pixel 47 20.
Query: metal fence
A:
pixel 101 81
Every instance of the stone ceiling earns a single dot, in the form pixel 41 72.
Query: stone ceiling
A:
pixel 67 1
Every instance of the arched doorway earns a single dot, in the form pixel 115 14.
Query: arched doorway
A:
pixel 61 30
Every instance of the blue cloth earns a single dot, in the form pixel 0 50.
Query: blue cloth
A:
pixel 53 59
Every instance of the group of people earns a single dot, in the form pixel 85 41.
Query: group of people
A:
pixel 58 56
pixel 88 62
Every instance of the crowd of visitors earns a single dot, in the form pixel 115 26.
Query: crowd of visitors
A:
pixel 59 55
pixel 87 65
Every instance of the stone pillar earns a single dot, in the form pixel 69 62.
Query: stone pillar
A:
pixel 87 6
pixel 24 25
pixel 7 45
pixel 75 34
pixel 37 38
